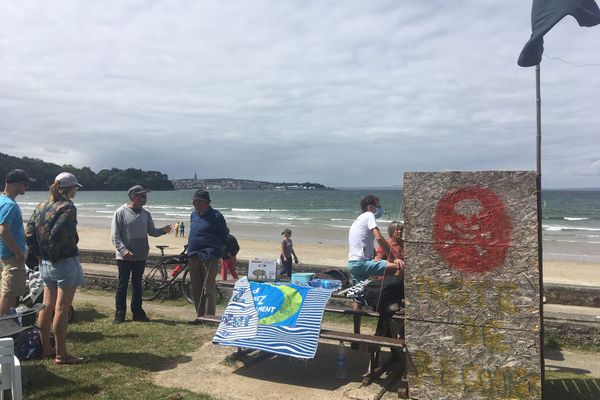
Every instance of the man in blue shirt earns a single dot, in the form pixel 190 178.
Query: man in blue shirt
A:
pixel 206 239
pixel 12 239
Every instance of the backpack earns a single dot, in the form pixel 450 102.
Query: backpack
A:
pixel 386 297
pixel 334 273
pixel 231 247
pixel 28 344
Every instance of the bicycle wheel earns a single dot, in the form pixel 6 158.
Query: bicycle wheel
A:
pixel 155 280
pixel 186 286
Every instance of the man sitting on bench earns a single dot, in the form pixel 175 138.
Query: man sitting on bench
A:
pixel 363 232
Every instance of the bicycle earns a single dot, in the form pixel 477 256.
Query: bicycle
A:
pixel 158 277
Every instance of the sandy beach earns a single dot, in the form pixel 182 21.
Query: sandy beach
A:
pixel 331 254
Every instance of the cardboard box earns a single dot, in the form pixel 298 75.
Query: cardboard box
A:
pixel 263 269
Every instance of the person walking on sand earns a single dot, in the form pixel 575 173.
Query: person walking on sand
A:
pixel 181 229
pixel 12 239
pixel 176 229
pixel 229 260
pixel 52 237
pixel 131 225
pixel 287 252
pixel 208 234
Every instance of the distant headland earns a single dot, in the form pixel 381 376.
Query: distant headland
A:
pixel 122 179
pixel 243 184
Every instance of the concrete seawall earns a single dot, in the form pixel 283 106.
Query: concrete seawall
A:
pixel 571 311
pixel 575 295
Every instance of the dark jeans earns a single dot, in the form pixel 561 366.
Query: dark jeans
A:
pixel 136 270
pixel 287 267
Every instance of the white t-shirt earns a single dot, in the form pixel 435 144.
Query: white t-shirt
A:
pixel 360 237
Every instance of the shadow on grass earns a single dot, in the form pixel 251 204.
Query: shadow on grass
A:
pixel 556 368
pixel 86 337
pixel 553 354
pixel 38 377
pixel 169 322
pixel 145 361
pixel 572 389
pixel 87 314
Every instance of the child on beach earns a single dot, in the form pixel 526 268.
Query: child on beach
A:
pixel 287 251
pixel 176 229
pixel 229 260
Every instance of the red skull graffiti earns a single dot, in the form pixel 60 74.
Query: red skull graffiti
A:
pixel 472 230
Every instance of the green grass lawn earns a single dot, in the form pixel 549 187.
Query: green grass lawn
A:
pixel 119 360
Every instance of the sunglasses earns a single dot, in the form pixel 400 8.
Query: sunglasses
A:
pixel 142 195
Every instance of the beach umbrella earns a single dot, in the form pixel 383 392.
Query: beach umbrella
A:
pixel 544 15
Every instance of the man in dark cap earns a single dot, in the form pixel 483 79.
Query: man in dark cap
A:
pixel 12 239
pixel 207 236
pixel 130 228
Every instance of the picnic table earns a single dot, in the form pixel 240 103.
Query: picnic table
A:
pixel 395 365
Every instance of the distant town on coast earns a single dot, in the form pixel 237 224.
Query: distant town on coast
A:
pixel 243 184
pixel 122 179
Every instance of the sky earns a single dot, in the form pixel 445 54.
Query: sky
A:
pixel 344 93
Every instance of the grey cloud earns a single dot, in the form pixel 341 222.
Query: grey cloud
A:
pixel 346 93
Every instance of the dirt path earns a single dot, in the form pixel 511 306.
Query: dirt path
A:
pixel 210 369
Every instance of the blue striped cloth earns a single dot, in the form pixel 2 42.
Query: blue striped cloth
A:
pixel 240 327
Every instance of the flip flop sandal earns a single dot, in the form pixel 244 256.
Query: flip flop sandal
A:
pixel 68 360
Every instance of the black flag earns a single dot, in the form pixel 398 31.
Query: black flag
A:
pixel 545 14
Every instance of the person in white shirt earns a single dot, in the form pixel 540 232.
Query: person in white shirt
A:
pixel 363 232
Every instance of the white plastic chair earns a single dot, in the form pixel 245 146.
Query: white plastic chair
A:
pixel 10 370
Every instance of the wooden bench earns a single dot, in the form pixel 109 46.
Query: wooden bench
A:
pixel 334 335
pixel 361 312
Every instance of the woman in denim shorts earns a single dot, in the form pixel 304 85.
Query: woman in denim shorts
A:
pixel 52 236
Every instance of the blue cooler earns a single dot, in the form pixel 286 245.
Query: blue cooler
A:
pixel 301 278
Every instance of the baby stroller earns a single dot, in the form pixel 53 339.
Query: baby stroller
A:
pixel 34 294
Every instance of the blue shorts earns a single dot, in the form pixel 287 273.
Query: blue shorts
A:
pixel 65 273
pixel 363 269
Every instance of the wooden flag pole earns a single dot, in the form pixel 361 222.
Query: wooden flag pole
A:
pixel 538 104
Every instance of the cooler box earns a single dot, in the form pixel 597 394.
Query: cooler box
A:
pixel 262 269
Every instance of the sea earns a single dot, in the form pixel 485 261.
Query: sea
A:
pixel 571 218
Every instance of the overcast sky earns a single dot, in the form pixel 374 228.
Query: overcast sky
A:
pixel 344 93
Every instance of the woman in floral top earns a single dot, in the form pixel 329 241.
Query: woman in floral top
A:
pixel 52 237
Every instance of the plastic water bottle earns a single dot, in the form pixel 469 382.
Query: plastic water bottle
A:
pixel 326 283
pixel 176 270
pixel 12 311
pixel 341 361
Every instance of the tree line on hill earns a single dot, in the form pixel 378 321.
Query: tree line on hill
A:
pixel 106 179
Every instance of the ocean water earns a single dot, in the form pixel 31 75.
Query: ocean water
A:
pixel 571 218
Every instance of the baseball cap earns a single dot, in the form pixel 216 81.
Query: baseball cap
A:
pixel 18 176
pixel 66 179
pixel 287 230
pixel 201 194
pixel 137 189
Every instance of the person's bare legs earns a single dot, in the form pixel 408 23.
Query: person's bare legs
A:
pixel 61 319
pixel 6 302
pixel 45 319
